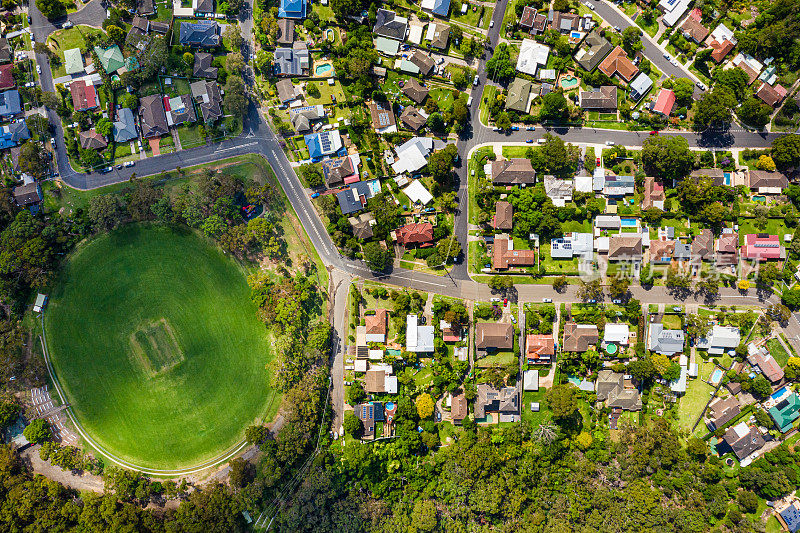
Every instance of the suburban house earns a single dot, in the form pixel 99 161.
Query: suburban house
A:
pixel 600 99
pixel 661 251
pixel 6 53
pixel 412 118
pixel 202 66
pixel 419 339
pixel 619 185
pixel 152 116
pixel 743 440
pixel 772 96
pixel 578 337
pixel 530 380
pixel 91 140
pixel 664 341
pixel 323 143
pixel 617 63
pixel 382 117
pixel 721 411
pixel 760 358
pixel 505 256
pixel 721 339
pixel 765 182
pixel 423 61
pixel 762 247
pixel 785 408
pixel 13 133
pixel 380 379
pixel 84 96
pixel 572 244
pixel 362 225
pixel 202 33
pixel 625 247
pixel 789 515
pixel 721 41
pixel 73 61
pixel 285 31
pixel 617 334
pixel 532 56
pixel 653 194
pixel 437 7
pixel 366 413
pixel 28 194
pixel 337 171
pixel 7 77
pixel 693 30
pixel 607 222
pixel 539 348
pixel 640 86
pixel 125 126
pixel 459 408
pixel 727 249
pixel 412 154
pixel 415 90
pixel 415 234
pixel 293 9
pixel 355 197
pixel 513 171
pixel 203 7
pixel 593 50
pixel 494 336
pixel 110 58
pixel 207 95
pixel 294 61
pixel 612 390
pixel 519 95
pixel 302 117
pixel 286 91
pixel 703 246
pixel 376 326
pixel 388 24
pixel 180 110
pixel 558 190
pixel 441 34
pixel 717 175
pixel 565 22
pixel 503 216
pixel 664 103
pixel 503 402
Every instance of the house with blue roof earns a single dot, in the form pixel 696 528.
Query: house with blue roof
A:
pixel 12 134
pixel 789 516
pixel 437 7
pixel 10 103
pixel 323 143
pixel 293 9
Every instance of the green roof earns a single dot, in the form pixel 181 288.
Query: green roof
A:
pixel 788 413
pixel 111 58
pixel 73 61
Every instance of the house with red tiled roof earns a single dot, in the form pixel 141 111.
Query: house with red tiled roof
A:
pixel 505 256
pixel 762 247
pixel 84 97
pixel 653 195
pixel 692 29
pixel 665 102
pixel 539 348
pixel 772 96
pixel 415 234
pixel 7 76
pixel 721 41
pixel 618 63
pixel 376 326
pixel 728 249
pixel 503 216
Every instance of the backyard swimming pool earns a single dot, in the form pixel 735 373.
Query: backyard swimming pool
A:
pixel 319 70
pixel 628 222
pixel 727 176
pixel 575 35
pixel 611 349
pixel 716 376
pixel 568 82
pixel 759 198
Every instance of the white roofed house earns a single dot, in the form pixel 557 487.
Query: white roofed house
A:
pixel 616 333
pixel 417 193
pixel 720 340
pixel 558 190
pixel 412 155
pixel 532 56
pixel 419 339
pixel 571 245
pixel 664 341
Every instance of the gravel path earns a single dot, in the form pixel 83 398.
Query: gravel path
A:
pixel 65 477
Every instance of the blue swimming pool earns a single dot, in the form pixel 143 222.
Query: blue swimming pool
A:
pixel 389 406
pixel 716 376
pixel 323 69
pixel 575 35
pixel 727 176
pixel 628 222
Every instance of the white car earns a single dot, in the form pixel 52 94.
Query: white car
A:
pixel 476 81
pixel 130 163
pixel 547 300
pixel 38 69
pixel 609 143
pixel 667 56
pixel 491 24
pixel 590 5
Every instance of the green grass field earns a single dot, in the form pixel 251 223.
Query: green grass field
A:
pixel 156 343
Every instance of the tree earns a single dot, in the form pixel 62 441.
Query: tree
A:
pixel 234 63
pixel 104 127
pixel 697 326
pixel 38 431
pixel 424 516
pixel 105 212
pixel 116 34
pixel 754 112
pixel 765 162
pixel 8 414
pixel 562 401
pixel 352 424
pixel 344 8
pixel 129 100
pixel 503 121
pixel 667 157
pixel 760 387
pixel 256 434
pixel 786 151
pixel 714 109
pixel 376 257
pixel 51 8
pixel 632 39
pixel 33 160
pixel 584 440
pixel 425 405
pixel 355 393
pixel 241 473
pixel 235 97
pixel 233 36
pixel 499 68
pixel 560 283
pixel 591 291
pixel 677 281
pixel 618 287
pixel 441 162
pixel 734 79
pixel 642 369
pixel 500 283
pixel 747 500
pixel 683 89
pixel 791 298
pixel 311 174
pixel 554 107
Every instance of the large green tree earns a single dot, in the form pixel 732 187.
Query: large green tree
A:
pixel 786 151
pixel 714 109
pixel 667 157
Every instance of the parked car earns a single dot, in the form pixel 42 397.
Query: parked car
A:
pixel 130 163
pixel 29 19
pixel 609 143
pixel 542 141
pixel 513 319
pixel 491 24
pixel 547 300
pixel 529 141
pixel 106 170
pixel 38 69
pixel 598 162
pixel 315 195
pixel 531 128
pixel 667 56
pixel 494 300
pixel 616 301
pixel 701 85
pixel 30 84
pixel 505 302
pixel 654 132
pixel 592 301
pixel 476 80
pixel 590 5
pixel 68 24
pixel 617 29
pixel 119 167
pixel 514 128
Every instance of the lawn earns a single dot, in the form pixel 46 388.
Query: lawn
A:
pixel 325 92
pixel 698 392
pixel 162 359
pixel 672 322
pixel 489 92
pixel 66 40
pixel 189 136
pixel 500 359
pixel 777 351
pixel 544 414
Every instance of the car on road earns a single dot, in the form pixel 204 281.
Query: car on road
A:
pixel 654 132
pixel 491 24
pixel 675 62
pixel 590 5
pixel 701 85
pixel 53 141
pixel 514 128
pixel 598 162
pixel 130 164
pixel 529 141
pixel 315 195
pixel 667 56
pixel 547 300
pixel 67 25
pixel 616 301
pixel 531 128
pixel 542 141
pixel 617 29
pixel 29 19
pixel 119 167
pixel 38 69
pixel 609 143
pixel 513 319
pixel 476 81
pixel 592 301
pixel 106 170
pixel 505 302
pixel 494 300
pixel 30 84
